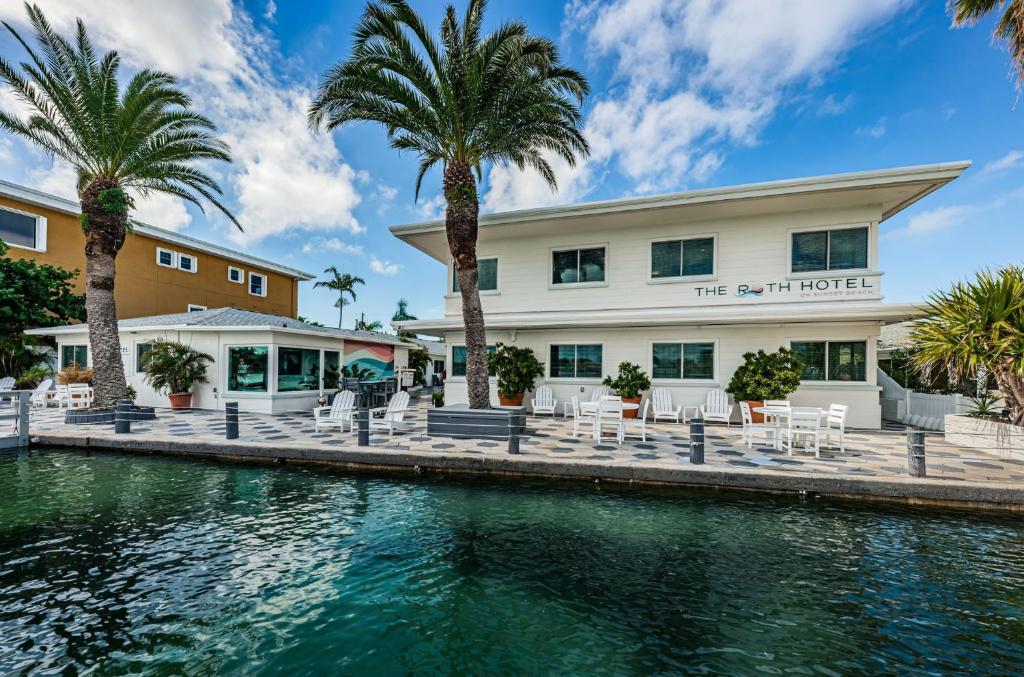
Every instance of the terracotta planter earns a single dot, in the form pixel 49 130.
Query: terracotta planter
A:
pixel 180 400
pixel 513 401
pixel 631 413
pixel 755 416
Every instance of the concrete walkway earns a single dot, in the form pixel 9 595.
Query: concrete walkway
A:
pixel 874 463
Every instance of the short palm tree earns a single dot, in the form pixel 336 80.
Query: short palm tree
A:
pixel 978 327
pixel 401 315
pixel 459 102
pixel 143 136
pixel 341 284
pixel 1009 30
pixel 363 325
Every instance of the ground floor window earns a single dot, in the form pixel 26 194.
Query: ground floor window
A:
pixel 438 366
pixel 332 369
pixel 576 361
pixel 142 355
pixel 247 368
pixel 298 369
pixel 832 360
pixel 459 360
pixel 683 360
pixel 77 355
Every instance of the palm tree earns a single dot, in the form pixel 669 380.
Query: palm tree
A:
pixel 141 137
pixel 978 327
pixel 1009 30
pixel 341 283
pixel 363 325
pixel 459 102
pixel 402 314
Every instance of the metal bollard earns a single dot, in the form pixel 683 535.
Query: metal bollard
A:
pixel 122 417
pixel 231 420
pixel 697 441
pixel 915 453
pixel 515 426
pixel 23 415
pixel 363 416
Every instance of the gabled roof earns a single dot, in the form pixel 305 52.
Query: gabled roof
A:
pixel 433 347
pixel 225 319
pixel 36 197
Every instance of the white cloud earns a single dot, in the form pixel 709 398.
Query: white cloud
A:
pixel 384 267
pixel 1011 160
pixel 933 220
pixel 333 245
pixel 384 192
pixel 875 131
pixel 270 11
pixel 6 154
pixel 833 106
pixel 508 188
pixel 432 209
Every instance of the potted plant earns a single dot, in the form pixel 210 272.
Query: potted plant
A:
pixel 174 368
pixel 517 370
pixel 629 384
pixel 765 376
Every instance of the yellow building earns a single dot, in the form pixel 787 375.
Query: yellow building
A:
pixel 158 271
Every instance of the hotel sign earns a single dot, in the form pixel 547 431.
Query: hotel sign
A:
pixel 824 287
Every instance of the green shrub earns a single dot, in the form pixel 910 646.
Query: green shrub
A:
pixel 30 378
pixel 766 376
pixel 438 398
pixel 174 367
pixel 517 369
pixel 630 382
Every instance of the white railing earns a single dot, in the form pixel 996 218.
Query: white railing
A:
pixel 923 410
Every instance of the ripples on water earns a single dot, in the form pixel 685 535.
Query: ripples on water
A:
pixel 126 564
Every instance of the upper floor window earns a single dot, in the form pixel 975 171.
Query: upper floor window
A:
pixel 257 284
pixel 683 360
pixel 832 360
pixel 21 229
pixel 195 308
pixel 835 249
pixel 236 275
pixel 486 275
pixel 188 263
pixel 578 266
pixel 166 258
pixel 683 258
pixel 576 361
pixel 459 360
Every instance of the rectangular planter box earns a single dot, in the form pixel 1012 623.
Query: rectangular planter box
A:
pixel 991 436
pixel 106 416
pixel 458 420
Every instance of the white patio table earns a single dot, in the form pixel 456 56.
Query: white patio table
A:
pixel 780 413
pixel 592 407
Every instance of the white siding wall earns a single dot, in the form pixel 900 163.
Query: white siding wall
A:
pixel 634 345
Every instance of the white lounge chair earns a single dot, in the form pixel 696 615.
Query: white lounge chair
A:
pixel 543 401
pixel 6 383
pixel 393 413
pixel 751 429
pixel 637 426
pixel 803 425
pixel 661 398
pixel 39 396
pixel 835 425
pixel 717 407
pixel 581 418
pixel 609 413
pixel 341 411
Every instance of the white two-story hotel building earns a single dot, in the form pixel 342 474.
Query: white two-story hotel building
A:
pixel 685 284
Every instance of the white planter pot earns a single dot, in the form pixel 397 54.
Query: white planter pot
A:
pixel 991 436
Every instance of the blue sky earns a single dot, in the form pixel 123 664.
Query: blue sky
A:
pixel 686 94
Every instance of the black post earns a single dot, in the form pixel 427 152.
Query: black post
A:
pixel 697 441
pixel 23 404
pixel 515 426
pixel 363 416
pixel 231 420
pixel 915 453
pixel 122 417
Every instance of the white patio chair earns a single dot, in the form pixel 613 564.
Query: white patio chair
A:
pixel 581 418
pixel 39 396
pixel 781 404
pixel 600 391
pixel 835 425
pixel 78 395
pixel 663 405
pixel 393 413
pixel 6 383
pixel 717 407
pixel 609 413
pixel 543 401
pixel 341 411
pixel 805 425
pixel 637 426
pixel 751 429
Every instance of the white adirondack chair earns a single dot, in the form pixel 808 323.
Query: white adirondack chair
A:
pixel 661 398
pixel 6 383
pixel 393 413
pixel 75 396
pixel 804 425
pixel 751 429
pixel 40 394
pixel 600 391
pixel 609 413
pixel 543 401
pixel 835 425
pixel 637 426
pixel 341 411
pixel 581 418
pixel 717 407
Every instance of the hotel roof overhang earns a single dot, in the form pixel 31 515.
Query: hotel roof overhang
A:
pixel 890 189
pixel 767 314
pixel 59 204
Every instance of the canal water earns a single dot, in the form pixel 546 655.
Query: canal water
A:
pixel 120 564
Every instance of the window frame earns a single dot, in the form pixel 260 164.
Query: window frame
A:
pixel 194 308
pixel 88 354
pixel 241 275
pixel 452 277
pixel 320 370
pixel 827 382
pixel 714 380
pixel 262 276
pixel 191 257
pixel 271 376
pixel 871 228
pixel 174 257
pixel 550 266
pixel 137 345
pixel 40 232
pixel 682 278
pixel 548 378
pixel 450 359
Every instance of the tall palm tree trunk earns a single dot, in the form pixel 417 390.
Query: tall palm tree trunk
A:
pixel 105 230
pixel 341 309
pixel 1011 387
pixel 461 225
